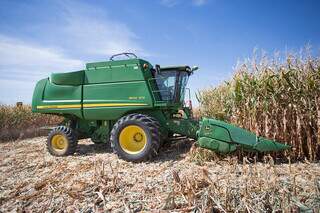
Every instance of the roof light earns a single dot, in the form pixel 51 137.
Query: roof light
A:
pixel 194 68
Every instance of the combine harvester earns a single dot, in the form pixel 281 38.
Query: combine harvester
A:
pixel 134 106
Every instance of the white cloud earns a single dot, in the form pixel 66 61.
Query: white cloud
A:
pixel 86 32
pixel 169 3
pixel 92 36
pixel 21 60
pixel 199 2
pixel 91 31
pixel 22 64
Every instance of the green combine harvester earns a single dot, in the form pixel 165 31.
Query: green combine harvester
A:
pixel 135 107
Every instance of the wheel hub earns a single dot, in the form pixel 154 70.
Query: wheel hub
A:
pixel 138 137
pixel 59 142
pixel 132 139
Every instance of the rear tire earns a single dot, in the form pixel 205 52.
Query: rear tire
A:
pixel 136 137
pixel 62 141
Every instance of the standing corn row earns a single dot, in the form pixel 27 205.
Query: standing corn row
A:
pixel 18 121
pixel 278 100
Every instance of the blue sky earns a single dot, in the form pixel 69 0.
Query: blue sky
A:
pixel 39 37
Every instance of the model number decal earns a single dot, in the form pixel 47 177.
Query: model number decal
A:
pixel 137 98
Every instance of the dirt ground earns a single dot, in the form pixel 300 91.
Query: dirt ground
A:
pixel 94 179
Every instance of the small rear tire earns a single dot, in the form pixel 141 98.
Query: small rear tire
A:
pixel 62 141
pixel 136 137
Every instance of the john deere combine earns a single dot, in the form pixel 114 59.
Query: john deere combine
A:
pixel 134 106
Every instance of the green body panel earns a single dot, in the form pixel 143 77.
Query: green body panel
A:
pixel 265 145
pixel 134 95
pixel 104 91
pixel 47 96
pixel 62 93
pixel 37 96
pixel 116 71
pixel 187 127
pixel 70 78
pixel 216 145
pixel 223 137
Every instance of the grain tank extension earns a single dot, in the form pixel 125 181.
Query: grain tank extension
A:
pixel 135 107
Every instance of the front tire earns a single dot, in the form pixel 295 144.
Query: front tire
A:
pixel 136 137
pixel 62 141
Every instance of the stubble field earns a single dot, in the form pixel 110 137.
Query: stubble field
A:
pixel 178 180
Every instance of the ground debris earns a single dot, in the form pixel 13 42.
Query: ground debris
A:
pixel 94 179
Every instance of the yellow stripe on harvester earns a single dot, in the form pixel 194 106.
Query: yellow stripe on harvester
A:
pixel 113 105
pixel 69 106
pixel 72 106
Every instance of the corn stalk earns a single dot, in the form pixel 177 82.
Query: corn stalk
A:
pixel 274 97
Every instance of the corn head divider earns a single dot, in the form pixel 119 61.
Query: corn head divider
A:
pixel 135 107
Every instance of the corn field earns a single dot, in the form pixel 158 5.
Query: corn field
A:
pixel 20 122
pixel 275 97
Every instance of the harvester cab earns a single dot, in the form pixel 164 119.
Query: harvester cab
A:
pixel 135 107
pixel 170 87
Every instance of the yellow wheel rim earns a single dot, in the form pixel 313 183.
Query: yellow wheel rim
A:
pixel 59 142
pixel 133 139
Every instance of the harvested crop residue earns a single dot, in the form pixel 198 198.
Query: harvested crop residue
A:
pixel 94 179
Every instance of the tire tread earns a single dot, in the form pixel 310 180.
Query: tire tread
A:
pixel 72 140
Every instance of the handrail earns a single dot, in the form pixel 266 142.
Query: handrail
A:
pixel 129 55
pixel 153 91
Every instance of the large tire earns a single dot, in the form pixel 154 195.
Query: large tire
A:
pixel 136 137
pixel 62 141
pixel 162 136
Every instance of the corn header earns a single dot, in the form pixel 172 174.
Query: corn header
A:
pixel 135 107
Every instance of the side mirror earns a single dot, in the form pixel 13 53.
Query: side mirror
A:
pixel 157 68
pixel 194 68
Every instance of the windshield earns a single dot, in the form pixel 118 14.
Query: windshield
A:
pixel 171 85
